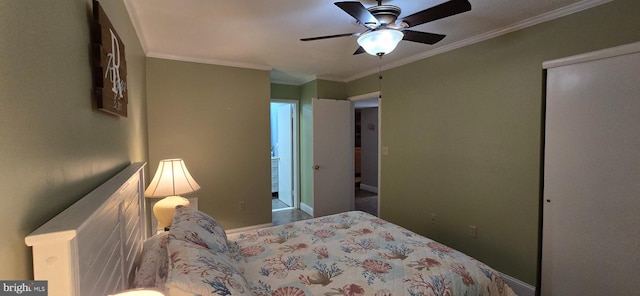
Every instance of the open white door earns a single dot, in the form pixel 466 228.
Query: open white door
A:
pixel 333 178
pixel 285 154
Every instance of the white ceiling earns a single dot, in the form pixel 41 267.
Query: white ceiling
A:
pixel 262 34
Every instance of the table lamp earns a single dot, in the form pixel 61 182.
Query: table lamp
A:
pixel 171 179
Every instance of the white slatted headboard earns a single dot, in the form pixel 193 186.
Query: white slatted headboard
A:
pixel 92 247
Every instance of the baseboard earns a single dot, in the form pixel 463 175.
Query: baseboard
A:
pixel 306 208
pixel 519 287
pixel 248 228
pixel 368 188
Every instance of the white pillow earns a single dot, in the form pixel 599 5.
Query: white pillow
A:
pixel 154 263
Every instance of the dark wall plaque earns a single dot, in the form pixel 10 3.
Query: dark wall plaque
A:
pixel 110 66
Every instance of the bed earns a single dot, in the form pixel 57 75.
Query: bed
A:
pixel 99 246
pixel 351 253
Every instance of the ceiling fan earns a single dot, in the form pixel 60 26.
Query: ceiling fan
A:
pixel 384 30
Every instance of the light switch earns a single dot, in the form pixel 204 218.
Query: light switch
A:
pixel 385 150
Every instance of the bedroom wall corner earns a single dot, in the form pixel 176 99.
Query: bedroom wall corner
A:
pixel 217 119
pixel 54 146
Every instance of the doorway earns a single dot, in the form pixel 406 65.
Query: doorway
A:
pixel 284 154
pixel 367 152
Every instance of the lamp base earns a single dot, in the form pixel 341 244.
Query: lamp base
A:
pixel 164 210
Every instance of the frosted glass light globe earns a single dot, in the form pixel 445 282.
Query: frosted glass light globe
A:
pixel 380 42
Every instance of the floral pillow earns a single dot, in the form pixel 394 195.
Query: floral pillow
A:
pixel 154 263
pixel 199 228
pixel 196 270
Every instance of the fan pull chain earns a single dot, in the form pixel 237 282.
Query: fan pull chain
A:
pixel 380 78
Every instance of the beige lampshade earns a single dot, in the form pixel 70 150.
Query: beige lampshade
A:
pixel 171 178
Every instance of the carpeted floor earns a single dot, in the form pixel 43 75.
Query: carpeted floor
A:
pixel 366 201
pixel 368 204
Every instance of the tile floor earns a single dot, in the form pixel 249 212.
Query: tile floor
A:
pixel 277 204
pixel 287 216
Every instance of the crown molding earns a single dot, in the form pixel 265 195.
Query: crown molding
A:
pixel 137 27
pixel 552 15
pixel 208 61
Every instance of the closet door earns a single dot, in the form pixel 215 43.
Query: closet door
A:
pixel 591 212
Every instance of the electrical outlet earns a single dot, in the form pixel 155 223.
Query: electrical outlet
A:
pixel 243 205
pixel 434 219
pixel 473 231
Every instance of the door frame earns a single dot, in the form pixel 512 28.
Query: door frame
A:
pixel 369 96
pixel 296 148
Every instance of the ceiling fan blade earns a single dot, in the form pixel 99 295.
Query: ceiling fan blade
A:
pixel 437 12
pixel 359 51
pixel 358 11
pixel 329 36
pixel 422 37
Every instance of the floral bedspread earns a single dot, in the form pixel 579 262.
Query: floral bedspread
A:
pixel 355 253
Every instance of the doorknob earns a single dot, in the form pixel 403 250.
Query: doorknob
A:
pixel 316 167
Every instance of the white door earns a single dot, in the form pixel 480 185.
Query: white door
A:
pixel 333 142
pixel 285 154
pixel 591 213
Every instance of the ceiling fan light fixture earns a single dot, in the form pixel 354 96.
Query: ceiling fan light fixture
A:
pixel 380 42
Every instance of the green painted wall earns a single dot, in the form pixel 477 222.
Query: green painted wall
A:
pixel 284 91
pixel 208 116
pixel 464 135
pixel 331 89
pixel 54 146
